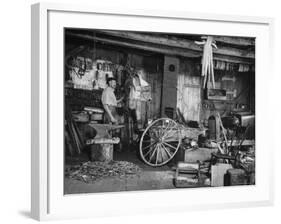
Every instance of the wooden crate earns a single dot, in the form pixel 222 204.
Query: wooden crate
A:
pixel 236 177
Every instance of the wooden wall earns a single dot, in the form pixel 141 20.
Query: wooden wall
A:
pixel 191 100
pixel 189 90
pixel 179 89
pixel 240 88
pixel 152 67
pixel 150 64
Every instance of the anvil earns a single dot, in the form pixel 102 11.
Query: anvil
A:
pixel 102 150
pixel 104 129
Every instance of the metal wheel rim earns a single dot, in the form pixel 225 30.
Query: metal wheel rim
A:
pixel 162 150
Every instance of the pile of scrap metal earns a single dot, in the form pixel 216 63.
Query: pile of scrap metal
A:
pixel 234 168
pixel 229 160
pixel 94 171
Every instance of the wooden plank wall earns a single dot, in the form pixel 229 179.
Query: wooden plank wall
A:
pixel 181 88
pixel 155 80
pixel 189 90
pixel 152 67
pixel 151 64
pixel 242 86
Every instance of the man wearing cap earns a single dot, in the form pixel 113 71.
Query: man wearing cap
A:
pixel 110 102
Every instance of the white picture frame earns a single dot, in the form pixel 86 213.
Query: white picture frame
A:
pixel 48 201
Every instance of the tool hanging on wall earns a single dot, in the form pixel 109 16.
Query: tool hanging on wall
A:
pixel 82 68
pixel 207 60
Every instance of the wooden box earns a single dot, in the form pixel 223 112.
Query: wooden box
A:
pixel 216 94
pixel 235 177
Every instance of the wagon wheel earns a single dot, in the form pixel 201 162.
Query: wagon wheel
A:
pixel 160 142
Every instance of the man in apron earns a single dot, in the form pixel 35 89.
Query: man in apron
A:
pixel 110 102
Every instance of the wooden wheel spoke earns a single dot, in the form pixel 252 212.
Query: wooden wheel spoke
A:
pixel 150 136
pixel 167 158
pixel 169 131
pixel 148 146
pixel 160 142
pixel 165 154
pixel 164 131
pixel 157 153
pixel 169 145
pixel 159 130
pixel 168 125
pixel 153 153
pixel 149 151
pixel 158 133
pixel 154 139
pixel 161 153
pixel 153 135
pixel 166 150
pixel 149 141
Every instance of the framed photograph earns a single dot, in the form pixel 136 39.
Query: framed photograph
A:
pixel 148 111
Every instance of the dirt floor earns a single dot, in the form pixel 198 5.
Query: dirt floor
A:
pixel 134 175
pixel 149 178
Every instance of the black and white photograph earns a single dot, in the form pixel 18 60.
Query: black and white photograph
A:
pixel 152 111
pixel 140 112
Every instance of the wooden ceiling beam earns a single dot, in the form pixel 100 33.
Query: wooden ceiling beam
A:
pixel 243 41
pixel 180 43
pixel 160 48
pixel 145 47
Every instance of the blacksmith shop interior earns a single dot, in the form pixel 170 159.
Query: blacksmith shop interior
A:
pixel 151 111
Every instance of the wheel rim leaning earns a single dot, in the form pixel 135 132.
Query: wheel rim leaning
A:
pixel 160 142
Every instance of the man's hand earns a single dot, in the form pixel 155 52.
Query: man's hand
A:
pixel 113 120
pixel 120 100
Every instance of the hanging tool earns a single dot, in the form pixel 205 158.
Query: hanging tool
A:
pixel 207 60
